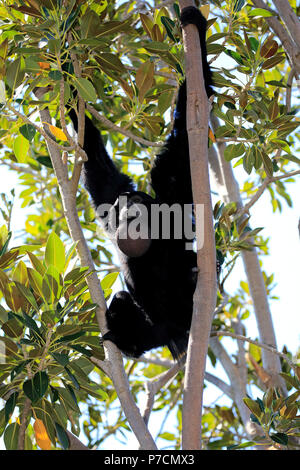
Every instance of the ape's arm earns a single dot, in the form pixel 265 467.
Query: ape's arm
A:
pixel 170 176
pixel 101 177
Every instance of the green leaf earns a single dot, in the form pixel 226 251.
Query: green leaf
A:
pixel 276 59
pixel 18 369
pixel 238 5
pixel 253 406
pixel 67 398
pixel 54 281
pixel 36 263
pixel 241 446
pixel 72 378
pixel 27 294
pixel 261 12
pixel 233 151
pixel 69 338
pixel 280 438
pixel 267 162
pixel 85 89
pixel 76 275
pixel 167 435
pixel 21 148
pixel 11 436
pixel 62 436
pixel 109 280
pixel 15 73
pixel 111 62
pixel 12 328
pixel 62 359
pixel 28 131
pixel 36 387
pixel 55 75
pixel 55 252
pixel 36 281
pixel 248 161
pixel 144 78
pixel 169 26
pixel 10 405
pixel 45 161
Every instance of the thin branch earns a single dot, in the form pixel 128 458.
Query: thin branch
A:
pixel 103 365
pixel 23 424
pixel 154 360
pixel 113 355
pixel 223 386
pixel 27 407
pixel 110 125
pixel 155 385
pixel 261 189
pixel 43 131
pixel 289 18
pixel 256 343
pixel 288 96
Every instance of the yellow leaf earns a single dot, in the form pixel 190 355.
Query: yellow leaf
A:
pixel 58 133
pixel 211 135
pixel 205 11
pixel 41 436
pixel 44 65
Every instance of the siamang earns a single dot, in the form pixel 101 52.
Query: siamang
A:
pixel 160 274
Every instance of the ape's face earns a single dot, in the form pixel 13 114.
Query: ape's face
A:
pixel 131 214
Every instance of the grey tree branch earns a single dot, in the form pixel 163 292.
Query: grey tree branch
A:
pixel 237 382
pixel 253 272
pixel 155 385
pixel 112 353
pixel 23 424
pixel 261 189
pixel 206 288
pixel 289 18
pixel 256 343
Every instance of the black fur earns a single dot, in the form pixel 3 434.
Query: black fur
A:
pixel 157 310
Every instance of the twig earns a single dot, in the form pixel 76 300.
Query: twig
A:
pixel 26 408
pixel 153 386
pixel 261 189
pixel 44 131
pixel 256 343
pixel 110 125
pixel 46 348
pixel 103 365
pixel 288 96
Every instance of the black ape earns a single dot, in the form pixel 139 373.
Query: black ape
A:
pixel 159 273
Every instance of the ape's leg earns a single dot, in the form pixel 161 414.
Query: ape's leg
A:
pixel 129 327
pixel 101 177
